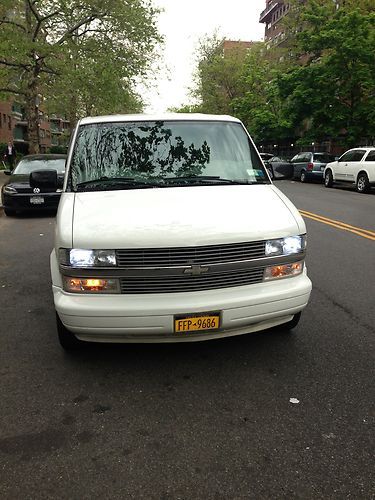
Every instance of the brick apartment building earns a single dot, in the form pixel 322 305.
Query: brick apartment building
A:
pixel 271 17
pixel 53 130
pixel 275 36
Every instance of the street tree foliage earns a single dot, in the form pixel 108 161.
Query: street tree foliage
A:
pixel 261 106
pixel 218 77
pixel 332 90
pixel 319 86
pixel 81 57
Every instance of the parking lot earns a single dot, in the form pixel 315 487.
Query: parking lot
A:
pixel 266 415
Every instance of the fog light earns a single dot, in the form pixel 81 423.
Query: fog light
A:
pixel 91 285
pixel 284 271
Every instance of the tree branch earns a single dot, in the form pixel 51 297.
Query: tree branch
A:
pixel 33 10
pixel 70 31
pixel 15 65
pixel 12 91
pixel 5 21
pixel 40 21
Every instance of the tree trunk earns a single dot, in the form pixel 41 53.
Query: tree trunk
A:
pixel 32 117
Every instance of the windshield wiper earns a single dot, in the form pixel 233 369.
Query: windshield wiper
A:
pixel 110 182
pixel 212 179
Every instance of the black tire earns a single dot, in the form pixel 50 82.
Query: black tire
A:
pixel 9 212
pixel 303 176
pixel 363 184
pixel 328 179
pixel 67 339
pixel 287 327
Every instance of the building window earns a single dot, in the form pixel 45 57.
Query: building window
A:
pixel 9 123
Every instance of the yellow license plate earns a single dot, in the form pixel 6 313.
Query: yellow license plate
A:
pixel 196 323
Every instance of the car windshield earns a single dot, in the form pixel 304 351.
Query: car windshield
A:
pixel 27 166
pixel 163 153
pixel 323 157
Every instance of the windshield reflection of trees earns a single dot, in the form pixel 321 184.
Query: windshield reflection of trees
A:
pixel 136 150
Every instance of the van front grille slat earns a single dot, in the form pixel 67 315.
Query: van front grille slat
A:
pixel 187 256
pixel 187 283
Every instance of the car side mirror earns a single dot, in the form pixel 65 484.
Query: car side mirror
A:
pixel 337 158
pixel 7 172
pixel 43 179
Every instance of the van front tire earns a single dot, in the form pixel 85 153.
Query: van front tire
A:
pixel 288 327
pixel 67 339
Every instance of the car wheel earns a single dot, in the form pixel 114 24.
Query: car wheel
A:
pixel 363 184
pixel 9 212
pixel 287 327
pixel 303 176
pixel 328 179
pixel 67 339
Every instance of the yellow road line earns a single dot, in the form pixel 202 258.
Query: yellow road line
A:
pixel 365 233
pixel 371 233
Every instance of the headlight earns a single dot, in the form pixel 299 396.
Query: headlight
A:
pixel 90 285
pixel 9 190
pixel 79 257
pixel 286 246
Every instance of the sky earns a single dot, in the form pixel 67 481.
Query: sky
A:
pixel 183 23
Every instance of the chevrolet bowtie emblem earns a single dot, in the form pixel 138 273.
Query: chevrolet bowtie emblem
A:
pixel 196 270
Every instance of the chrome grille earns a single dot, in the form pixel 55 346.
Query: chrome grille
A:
pixel 186 256
pixel 186 283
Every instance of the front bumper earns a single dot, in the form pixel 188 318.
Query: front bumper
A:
pixel 150 318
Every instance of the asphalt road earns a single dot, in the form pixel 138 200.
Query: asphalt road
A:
pixel 209 420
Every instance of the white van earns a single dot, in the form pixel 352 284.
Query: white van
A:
pixel 170 230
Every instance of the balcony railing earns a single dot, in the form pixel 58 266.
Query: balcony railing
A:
pixel 268 10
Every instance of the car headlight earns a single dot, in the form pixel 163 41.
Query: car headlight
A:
pixel 9 190
pixel 286 246
pixel 79 257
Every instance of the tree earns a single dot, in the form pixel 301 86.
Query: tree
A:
pixel 218 76
pixel 332 90
pixel 260 106
pixel 80 56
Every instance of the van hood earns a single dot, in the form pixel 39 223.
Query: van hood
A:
pixel 182 216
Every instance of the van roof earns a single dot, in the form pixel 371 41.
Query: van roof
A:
pixel 157 117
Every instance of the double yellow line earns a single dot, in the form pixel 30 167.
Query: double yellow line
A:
pixel 365 233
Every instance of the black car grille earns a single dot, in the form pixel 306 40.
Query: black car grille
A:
pixel 187 283
pixel 186 256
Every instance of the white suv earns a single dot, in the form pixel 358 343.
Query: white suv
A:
pixel 356 166
pixel 170 230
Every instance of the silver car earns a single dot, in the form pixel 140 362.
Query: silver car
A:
pixel 308 166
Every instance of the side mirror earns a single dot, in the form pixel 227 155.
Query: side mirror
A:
pixel 46 179
pixel 337 158
pixel 7 172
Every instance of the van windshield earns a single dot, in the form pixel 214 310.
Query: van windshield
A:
pixel 163 153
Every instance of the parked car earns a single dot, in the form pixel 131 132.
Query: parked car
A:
pixel 266 157
pixel 356 166
pixel 169 230
pixel 308 166
pixel 281 167
pixel 21 194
